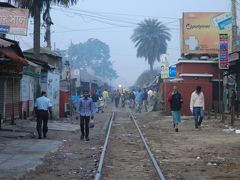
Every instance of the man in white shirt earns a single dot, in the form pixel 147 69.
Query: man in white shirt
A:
pixel 42 106
pixel 197 106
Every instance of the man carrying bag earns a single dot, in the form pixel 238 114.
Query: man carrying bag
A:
pixel 86 109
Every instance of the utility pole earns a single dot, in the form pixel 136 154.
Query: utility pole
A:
pixel 234 25
pixel 36 34
pixel 234 49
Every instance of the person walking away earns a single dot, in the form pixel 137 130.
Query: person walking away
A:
pixel 95 98
pixel 42 106
pixel 138 100
pixel 145 98
pixel 86 110
pixel 132 99
pixel 197 106
pixel 105 96
pixel 117 96
pixel 175 100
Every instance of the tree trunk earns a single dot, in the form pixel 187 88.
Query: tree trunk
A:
pixel 151 68
pixel 36 34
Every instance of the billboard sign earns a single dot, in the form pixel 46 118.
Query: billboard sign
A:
pixel 200 31
pixel 13 21
pixel 223 52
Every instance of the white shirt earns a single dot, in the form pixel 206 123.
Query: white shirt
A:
pixel 197 100
pixel 43 103
pixel 150 93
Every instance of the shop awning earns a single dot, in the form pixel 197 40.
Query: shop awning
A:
pixel 13 56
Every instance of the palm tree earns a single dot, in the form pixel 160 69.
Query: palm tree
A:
pixel 36 7
pixel 150 38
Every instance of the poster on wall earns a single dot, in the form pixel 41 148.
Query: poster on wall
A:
pixel 53 86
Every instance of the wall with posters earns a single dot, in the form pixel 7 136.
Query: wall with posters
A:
pixel 200 31
pixel 28 90
pixel 50 82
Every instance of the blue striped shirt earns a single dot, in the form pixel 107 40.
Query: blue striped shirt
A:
pixel 85 107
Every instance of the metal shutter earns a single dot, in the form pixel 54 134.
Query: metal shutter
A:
pixel 12 98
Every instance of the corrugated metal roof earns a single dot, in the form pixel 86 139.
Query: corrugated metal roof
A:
pixel 43 51
pixel 5 43
pixel 13 56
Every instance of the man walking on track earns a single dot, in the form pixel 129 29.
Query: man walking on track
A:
pixel 86 109
pixel 197 106
pixel 175 99
pixel 42 106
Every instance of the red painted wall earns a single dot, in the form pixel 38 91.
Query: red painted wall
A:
pixel 64 98
pixel 186 89
pixel 198 68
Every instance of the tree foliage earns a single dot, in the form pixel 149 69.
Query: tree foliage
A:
pixel 94 54
pixel 146 77
pixel 31 4
pixel 150 38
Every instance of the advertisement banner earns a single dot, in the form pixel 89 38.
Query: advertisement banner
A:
pixel 200 31
pixel 223 51
pixel 13 21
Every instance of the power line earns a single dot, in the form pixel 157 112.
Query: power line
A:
pixel 109 20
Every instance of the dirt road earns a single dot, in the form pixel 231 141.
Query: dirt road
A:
pixel 209 153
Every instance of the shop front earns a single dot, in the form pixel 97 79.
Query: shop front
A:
pixel 10 77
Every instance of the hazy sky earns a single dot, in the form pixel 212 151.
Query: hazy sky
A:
pixel 113 21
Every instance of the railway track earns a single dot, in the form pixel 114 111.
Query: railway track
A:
pixel 126 154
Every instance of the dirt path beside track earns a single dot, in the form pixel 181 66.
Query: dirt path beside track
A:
pixel 209 153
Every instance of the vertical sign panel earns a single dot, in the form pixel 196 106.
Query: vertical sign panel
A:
pixel 223 51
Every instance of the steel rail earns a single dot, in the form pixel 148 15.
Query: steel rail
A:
pixel 100 166
pixel 151 155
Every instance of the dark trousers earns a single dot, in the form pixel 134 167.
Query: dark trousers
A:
pixel 84 125
pixel 117 102
pixel 42 120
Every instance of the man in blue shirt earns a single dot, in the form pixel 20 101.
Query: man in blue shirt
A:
pixel 139 100
pixel 42 106
pixel 86 109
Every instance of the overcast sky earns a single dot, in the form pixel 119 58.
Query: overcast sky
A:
pixel 113 21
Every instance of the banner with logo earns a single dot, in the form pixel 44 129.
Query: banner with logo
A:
pixel 223 51
pixel 200 31
pixel 13 21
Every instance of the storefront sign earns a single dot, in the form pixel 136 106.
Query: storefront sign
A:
pixel 223 51
pixel 10 69
pixel 14 21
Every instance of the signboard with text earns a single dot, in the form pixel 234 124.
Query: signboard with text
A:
pixel 13 21
pixel 223 51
